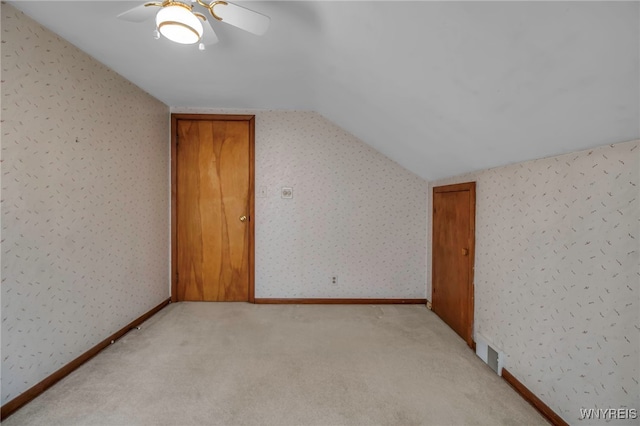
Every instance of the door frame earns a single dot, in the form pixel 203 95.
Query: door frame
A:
pixel 174 195
pixel 471 187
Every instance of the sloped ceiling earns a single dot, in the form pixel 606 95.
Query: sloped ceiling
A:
pixel 443 88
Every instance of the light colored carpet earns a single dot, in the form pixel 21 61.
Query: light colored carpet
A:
pixel 243 364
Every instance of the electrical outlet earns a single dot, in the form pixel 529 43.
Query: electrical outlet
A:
pixel 287 192
pixel 334 280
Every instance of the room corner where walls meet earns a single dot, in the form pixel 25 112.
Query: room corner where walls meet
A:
pixel 557 272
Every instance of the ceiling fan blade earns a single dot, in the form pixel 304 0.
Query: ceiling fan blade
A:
pixel 209 36
pixel 139 13
pixel 241 17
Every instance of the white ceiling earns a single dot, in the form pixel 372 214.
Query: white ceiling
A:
pixel 443 88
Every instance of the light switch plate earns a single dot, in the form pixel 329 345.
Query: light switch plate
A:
pixel 287 192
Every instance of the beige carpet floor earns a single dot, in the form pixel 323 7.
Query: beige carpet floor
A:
pixel 243 364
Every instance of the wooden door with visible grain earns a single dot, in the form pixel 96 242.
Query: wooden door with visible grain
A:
pixel 213 210
pixel 452 256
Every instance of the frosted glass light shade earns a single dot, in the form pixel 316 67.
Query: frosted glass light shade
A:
pixel 178 24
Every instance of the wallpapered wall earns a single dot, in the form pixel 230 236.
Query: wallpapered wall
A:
pixel 557 274
pixel 355 213
pixel 84 202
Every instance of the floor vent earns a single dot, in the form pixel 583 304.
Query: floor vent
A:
pixel 488 352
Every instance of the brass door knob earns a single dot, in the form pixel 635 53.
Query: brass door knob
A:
pixel 243 218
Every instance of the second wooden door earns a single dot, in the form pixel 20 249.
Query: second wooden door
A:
pixel 453 251
pixel 213 208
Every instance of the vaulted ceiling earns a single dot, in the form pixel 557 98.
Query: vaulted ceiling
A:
pixel 442 88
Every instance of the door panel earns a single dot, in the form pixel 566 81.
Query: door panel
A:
pixel 212 194
pixel 453 248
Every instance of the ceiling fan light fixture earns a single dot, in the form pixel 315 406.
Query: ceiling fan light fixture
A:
pixel 176 22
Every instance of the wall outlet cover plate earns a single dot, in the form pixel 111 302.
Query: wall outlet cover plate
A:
pixel 287 192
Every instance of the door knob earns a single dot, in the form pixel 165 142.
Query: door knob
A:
pixel 243 218
pixel 465 252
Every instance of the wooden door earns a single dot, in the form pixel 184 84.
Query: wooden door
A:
pixel 213 208
pixel 453 247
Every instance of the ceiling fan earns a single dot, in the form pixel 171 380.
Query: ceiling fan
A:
pixel 181 22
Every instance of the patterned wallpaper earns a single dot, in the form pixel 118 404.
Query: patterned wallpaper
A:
pixel 84 202
pixel 355 214
pixel 558 274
